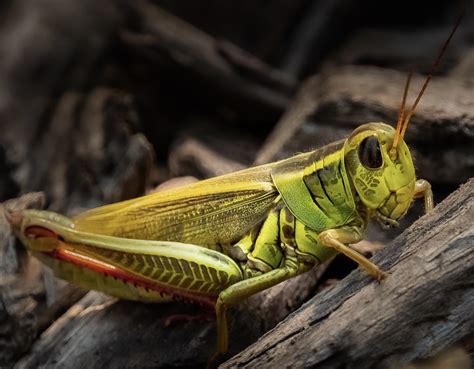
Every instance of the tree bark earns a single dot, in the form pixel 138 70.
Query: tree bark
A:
pixel 425 305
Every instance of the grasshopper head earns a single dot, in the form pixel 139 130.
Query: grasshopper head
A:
pixel 384 179
pixel 379 162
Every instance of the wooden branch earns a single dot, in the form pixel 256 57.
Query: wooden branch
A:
pixel 194 157
pixel 105 160
pixel 425 305
pixel 304 104
pixel 217 67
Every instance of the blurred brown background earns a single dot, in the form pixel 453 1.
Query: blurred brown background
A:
pixel 102 101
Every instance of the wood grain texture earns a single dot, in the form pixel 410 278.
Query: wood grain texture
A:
pixel 425 305
pixel 240 79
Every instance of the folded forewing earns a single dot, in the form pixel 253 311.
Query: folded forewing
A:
pixel 210 212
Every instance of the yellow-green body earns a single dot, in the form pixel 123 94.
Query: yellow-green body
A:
pixel 220 240
pixel 223 213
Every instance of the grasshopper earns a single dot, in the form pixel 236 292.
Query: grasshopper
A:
pixel 218 241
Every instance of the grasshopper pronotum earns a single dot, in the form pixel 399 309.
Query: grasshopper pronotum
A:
pixel 221 240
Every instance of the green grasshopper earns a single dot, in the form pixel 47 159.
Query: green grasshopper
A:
pixel 218 241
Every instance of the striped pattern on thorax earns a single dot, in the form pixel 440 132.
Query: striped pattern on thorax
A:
pixel 316 187
pixel 329 184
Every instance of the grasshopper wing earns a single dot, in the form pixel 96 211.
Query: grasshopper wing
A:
pixel 215 211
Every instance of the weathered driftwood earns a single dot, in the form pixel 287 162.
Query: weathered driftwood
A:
pixel 425 305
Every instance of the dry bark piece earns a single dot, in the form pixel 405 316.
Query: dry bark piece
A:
pixel 305 103
pixel 194 157
pixel 321 25
pixel 207 150
pixel 229 75
pixel 90 153
pixel 44 50
pixel 424 306
pixel 236 21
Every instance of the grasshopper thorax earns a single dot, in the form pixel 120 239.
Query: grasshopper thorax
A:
pixel 385 183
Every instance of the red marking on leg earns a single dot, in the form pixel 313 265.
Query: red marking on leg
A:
pixel 38 232
pixel 68 254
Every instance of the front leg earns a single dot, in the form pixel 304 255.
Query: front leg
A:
pixel 339 238
pixel 423 189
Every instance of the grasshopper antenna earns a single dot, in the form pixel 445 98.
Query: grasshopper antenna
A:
pixel 400 133
pixel 393 151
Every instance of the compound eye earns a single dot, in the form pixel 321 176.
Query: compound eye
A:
pixel 369 153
